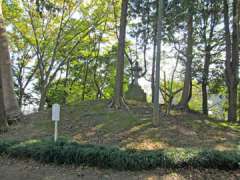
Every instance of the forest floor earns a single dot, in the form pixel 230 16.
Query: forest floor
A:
pixel 93 122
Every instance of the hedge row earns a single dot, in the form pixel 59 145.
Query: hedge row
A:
pixel 65 152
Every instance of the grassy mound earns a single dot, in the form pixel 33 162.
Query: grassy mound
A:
pixel 66 152
pixel 92 122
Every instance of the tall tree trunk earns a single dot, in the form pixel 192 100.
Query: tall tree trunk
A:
pixel 10 101
pixel 207 14
pixel 235 62
pixel 118 93
pixel 66 82
pixel 3 119
pixel 205 81
pixel 156 108
pixel 153 69
pixel 232 102
pixel 154 56
pixel 186 93
pixel 232 59
pixel 238 14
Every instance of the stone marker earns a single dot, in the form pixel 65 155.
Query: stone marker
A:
pixel 135 92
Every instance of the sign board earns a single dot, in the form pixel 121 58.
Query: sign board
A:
pixel 56 112
pixel 56 118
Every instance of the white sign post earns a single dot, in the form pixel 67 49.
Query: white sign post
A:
pixel 56 118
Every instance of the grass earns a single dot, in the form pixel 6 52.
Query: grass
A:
pixel 117 121
pixel 93 122
pixel 225 125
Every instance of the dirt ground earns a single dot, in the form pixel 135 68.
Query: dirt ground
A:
pixel 12 169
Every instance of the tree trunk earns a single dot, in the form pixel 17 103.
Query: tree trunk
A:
pixel 205 81
pixel 10 101
pixel 153 69
pixel 232 101
pixel 235 64
pixel 42 99
pixel 156 108
pixel 186 93
pixel 232 59
pixel 207 37
pixel 118 93
pixel 3 119
pixel 204 99
pixel 154 56
pixel 20 97
pixel 66 82
pixel 85 81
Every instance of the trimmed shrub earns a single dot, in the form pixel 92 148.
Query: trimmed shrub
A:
pixel 67 152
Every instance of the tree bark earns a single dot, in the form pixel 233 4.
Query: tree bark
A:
pixel 20 97
pixel 186 93
pixel 153 69
pixel 154 56
pixel 12 110
pixel 207 14
pixel 66 82
pixel 205 81
pixel 156 108
pixel 42 102
pixel 232 59
pixel 232 114
pixel 118 93
pixel 3 119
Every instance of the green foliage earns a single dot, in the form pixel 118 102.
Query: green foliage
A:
pixel 196 100
pixel 87 80
pixel 66 152
pixel 56 94
pixel 73 36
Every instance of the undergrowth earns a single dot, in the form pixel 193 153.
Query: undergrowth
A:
pixel 68 152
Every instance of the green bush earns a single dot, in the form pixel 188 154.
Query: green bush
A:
pixel 66 152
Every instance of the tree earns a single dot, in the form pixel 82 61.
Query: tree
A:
pixel 11 107
pixel 23 68
pixel 209 19
pixel 156 108
pixel 57 37
pixel 186 93
pixel 118 100
pixel 50 41
pixel 232 57
pixel 168 91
